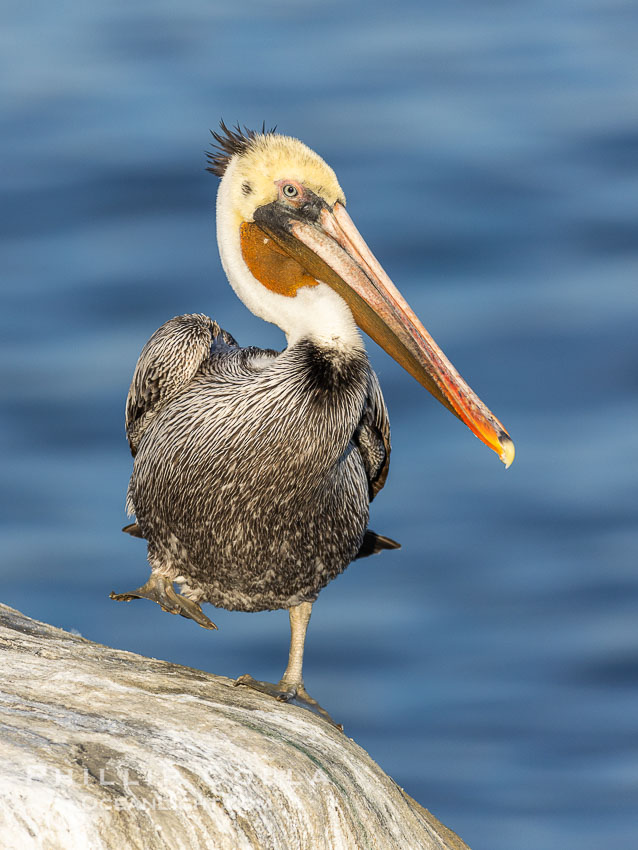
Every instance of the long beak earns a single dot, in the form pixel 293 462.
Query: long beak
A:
pixel 333 251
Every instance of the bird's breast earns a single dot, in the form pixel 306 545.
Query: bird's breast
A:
pixel 249 466
pixel 292 417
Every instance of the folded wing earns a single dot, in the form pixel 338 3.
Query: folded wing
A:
pixel 168 363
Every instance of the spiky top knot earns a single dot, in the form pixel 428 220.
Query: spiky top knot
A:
pixel 230 141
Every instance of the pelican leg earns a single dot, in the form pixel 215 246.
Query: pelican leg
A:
pixel 290 687
pixel 160 589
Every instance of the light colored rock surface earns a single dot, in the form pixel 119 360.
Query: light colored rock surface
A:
pixel 106 749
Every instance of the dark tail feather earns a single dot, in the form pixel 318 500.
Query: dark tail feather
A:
pixel 134 530
pixel 373 543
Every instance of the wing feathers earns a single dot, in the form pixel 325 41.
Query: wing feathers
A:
pixel 372 437
pixel 168 362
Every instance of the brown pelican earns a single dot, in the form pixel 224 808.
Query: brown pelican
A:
pixel 254 469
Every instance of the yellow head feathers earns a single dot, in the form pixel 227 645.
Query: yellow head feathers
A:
pixel 258 160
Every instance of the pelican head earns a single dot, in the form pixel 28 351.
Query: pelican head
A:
pixel 295 258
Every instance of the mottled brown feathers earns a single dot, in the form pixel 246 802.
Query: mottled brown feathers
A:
pixel 230 141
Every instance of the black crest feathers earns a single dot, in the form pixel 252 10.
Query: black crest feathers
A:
pixel 228 142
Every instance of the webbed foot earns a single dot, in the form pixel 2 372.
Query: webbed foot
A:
pixel 160 589
pixel 295 694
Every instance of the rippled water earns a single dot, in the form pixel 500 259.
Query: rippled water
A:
pixel 490 157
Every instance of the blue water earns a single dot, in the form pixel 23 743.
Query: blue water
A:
pixel 490 157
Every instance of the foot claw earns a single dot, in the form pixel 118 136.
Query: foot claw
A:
pixel 295 694
pixel 160 589
pixel 190 608
pixel 276 691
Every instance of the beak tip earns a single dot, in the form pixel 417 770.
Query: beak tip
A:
pixel 507 449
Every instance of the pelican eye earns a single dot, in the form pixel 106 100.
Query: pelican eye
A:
pixel 290 191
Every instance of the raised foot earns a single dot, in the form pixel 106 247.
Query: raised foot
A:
pixel 160 589
pixel 295 694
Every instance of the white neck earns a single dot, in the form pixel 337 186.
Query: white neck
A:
pixel 317 312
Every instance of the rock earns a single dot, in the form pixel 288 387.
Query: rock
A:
pixel 105 750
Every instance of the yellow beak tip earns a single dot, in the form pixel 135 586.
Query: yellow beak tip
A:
pixel 507 450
